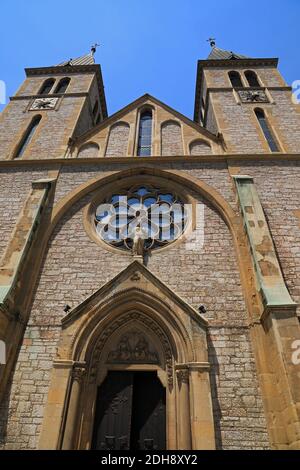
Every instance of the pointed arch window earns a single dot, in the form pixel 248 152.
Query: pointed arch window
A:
pixel 252 78
pixel 26 139
pixel 235 79
pixel 145 134
pixel 266 130
pixel 47 86
pixel 62 85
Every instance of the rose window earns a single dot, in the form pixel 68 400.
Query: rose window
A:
pixel 142 216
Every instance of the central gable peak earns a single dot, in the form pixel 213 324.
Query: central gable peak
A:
pixel 147 127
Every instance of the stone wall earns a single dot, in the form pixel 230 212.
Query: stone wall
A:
pixel 279 192
pixel 237 121
pixel 15 185
pixel 56 127
pixel 75 267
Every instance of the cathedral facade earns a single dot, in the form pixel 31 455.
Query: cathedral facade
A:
pixel 128 327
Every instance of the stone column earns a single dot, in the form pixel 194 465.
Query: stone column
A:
pixel 71 423
pixel 184 422
pixel 283 334
pixel 57 396
pixel 202 422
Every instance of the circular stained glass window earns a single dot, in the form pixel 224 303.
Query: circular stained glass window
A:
pixel 145 215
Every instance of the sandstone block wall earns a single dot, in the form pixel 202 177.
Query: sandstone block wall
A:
pixel 56 127
pixel 75 266
pixel 237 120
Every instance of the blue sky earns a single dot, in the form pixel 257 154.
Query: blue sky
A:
pixel 148 46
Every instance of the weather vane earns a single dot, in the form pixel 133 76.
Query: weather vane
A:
pixel 94 47
pixel 212 41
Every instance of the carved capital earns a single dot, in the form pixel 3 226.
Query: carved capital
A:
pixel 183 376
pixel 78 373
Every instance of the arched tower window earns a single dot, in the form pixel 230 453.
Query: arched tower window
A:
pixel 47 86
pixel 62 85
pixel 145 134
pixel 252 78
pixel 26 139
pixel 266 130
pixel 235 79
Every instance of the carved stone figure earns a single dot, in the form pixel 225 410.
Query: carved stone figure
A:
pixel 138 247
pixel 123 352
pixel 133 348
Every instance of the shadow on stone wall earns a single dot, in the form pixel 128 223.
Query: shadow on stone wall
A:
pixel 214 372
pixel 6 412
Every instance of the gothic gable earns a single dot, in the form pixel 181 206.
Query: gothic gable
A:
pixel 172 134
pixel 134 291
pixel 135 278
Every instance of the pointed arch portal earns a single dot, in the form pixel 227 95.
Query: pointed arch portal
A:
pixel 132 337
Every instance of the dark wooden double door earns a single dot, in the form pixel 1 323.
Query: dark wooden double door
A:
pixel 130 412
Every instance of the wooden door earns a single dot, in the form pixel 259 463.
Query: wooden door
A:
pixel 113 412
pixel 130 412
pixel 148 425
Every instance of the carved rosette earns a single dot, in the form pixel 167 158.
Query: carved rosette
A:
pixel 253 96
pixel 40 104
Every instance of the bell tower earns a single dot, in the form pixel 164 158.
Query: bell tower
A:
pixel 52 105
pixel 248 102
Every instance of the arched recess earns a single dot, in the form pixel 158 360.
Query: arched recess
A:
pixel 263 344
pixel 134 322
pixel 230 217
pixel 171 138
pixel 200 147
pixel 118 140
pixel 189 182
pixel 89 150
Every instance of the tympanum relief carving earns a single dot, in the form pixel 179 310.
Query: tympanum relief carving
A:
pixel 133 348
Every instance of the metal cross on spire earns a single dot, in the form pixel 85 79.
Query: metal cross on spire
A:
pixel 94 47
pixel 212 41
